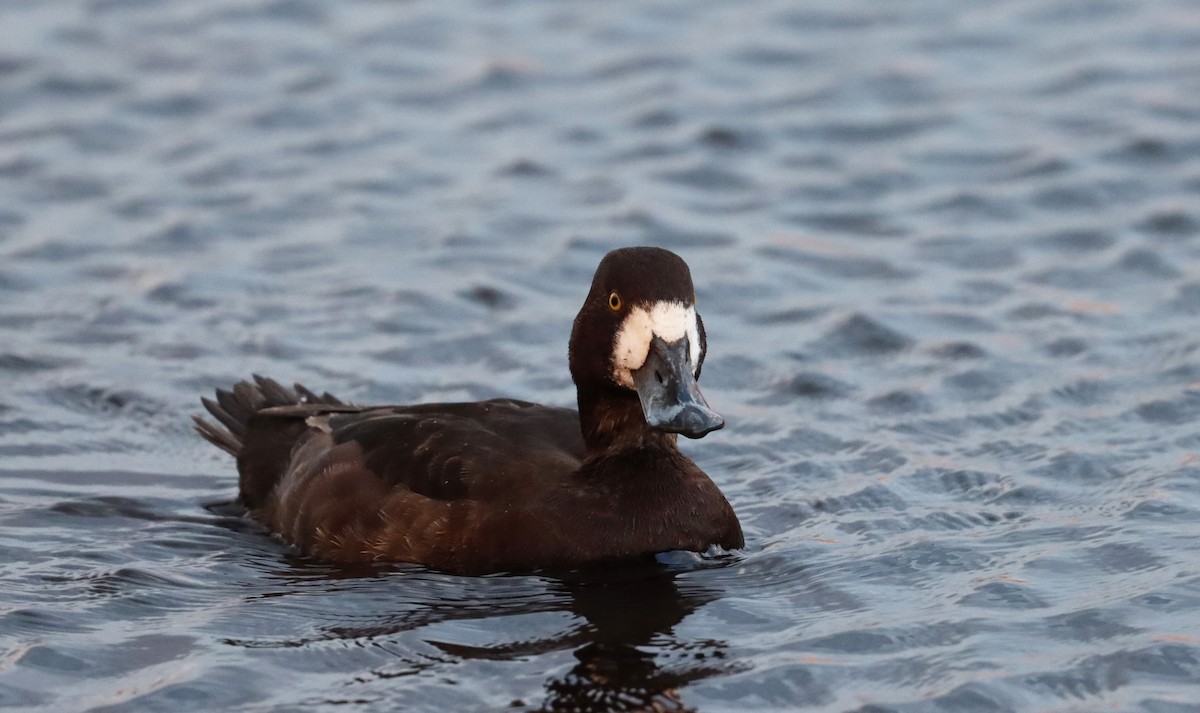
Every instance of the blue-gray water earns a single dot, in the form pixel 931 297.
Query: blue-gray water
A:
pixel 948 254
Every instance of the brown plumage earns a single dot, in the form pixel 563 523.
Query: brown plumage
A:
pixel 497 485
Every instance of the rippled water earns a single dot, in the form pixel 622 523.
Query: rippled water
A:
pixel 948 254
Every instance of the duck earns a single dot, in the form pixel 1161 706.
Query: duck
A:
pixel 502 485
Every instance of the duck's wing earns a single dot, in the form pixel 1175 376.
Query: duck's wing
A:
pixel 480 451
pixel 458 487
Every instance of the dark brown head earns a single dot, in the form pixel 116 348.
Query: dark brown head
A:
pixel 638 336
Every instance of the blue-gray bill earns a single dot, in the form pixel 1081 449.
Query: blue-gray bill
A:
pixel 671 398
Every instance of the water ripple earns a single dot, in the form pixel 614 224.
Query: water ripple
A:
pixel 947 260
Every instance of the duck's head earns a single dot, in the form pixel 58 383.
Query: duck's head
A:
pixel 639 333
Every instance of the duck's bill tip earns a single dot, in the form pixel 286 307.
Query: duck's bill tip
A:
pixel 671 398
pixel 693 421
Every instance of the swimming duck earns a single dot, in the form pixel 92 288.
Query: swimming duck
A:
pixel 502 485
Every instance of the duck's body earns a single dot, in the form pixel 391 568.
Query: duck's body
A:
pixel 500 485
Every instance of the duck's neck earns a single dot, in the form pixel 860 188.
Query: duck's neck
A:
pixel 612 421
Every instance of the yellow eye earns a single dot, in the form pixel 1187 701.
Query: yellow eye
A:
pixel 614 301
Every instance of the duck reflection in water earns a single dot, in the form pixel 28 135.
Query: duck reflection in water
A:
pixel 633 661
pixel 629 657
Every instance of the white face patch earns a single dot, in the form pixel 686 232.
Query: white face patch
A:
pixel 669 320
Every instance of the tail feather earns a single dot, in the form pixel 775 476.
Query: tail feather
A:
pixel 216 435
pixel 273 393
pixel 234 409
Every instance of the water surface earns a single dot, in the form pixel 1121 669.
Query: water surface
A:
pixel 948 255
